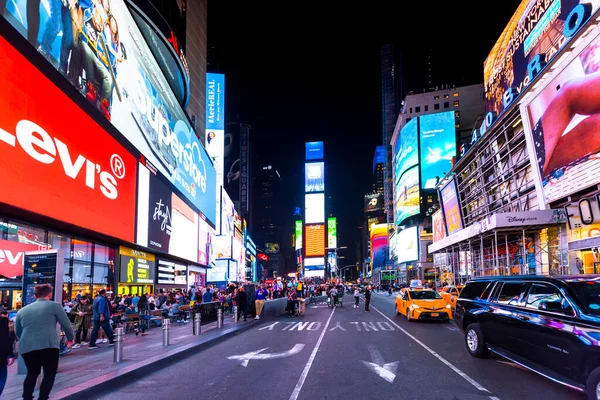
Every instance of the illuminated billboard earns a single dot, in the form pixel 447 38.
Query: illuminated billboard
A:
pixel 298 235
pixel 407 244
pixel 451 207
pixel 314 177
pixel 314 208
pixel 314 151
pixel 332 232
pixel 314 267
pixel 537 27
pixel 438 226
pixel 438 146
pixel 373 202
pixel 111 65
pixel 215 122
pixel 406 150
pixel 379 244
pixel 564 134
pixel 314 240
pixel 407 195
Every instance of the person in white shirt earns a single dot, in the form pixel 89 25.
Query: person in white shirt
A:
pixel 356 296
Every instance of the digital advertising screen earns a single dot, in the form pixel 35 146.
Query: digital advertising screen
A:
pixel 314 267
pixel 438 226
pixel 222 246
pixel 205 234
pixel 451 207
pixel 438 146
pixel 314 240
pixel 128 89
pixel 373 202
pixel 314 151
pixel 407 244
pixel 215 123
pixel 332 232
pixel 136 266
pixel 228 214
pixel 219 272
pixel 314 177
pixel 379 245
pixel 298 235
pixel 537 27
pixel 406 150
pixel 564 134
pixel 314 208
pixel 407 195
pixel 12 255
pixel 171 273
pixel 41 150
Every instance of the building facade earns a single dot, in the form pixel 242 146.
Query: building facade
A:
pixel 379 158
pixel 389 108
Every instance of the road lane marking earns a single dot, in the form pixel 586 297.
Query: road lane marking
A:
pixel 384 370
pixel 310 361
pixel 270 327
pixel 451 328
pixel 337 326
pixel 259 355
pixel 439 357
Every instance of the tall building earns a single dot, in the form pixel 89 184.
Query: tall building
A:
pixel 379 169
pixel 389 113
pixel 196 50
pixel 268 222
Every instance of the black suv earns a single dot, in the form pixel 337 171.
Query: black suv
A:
pixel 550 325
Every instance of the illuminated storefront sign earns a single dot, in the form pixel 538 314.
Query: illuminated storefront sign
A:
pixel 136 266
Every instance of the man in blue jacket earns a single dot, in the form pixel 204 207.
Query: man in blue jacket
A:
pixel 101 319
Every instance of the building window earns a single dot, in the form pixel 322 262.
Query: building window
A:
pixel 436 106
pixel 456 103
pixel 455 94
pixel 456 114
pixel 446 96
pixel 418 109
pixel 426 108
pixel 446 104
pixel 436 97
pixel 411 110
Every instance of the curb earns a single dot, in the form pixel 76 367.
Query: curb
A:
pixel 112 380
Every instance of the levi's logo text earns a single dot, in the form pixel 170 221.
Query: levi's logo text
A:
pixel 42 147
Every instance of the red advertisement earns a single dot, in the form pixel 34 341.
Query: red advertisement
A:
pixel 55 160
pixel 11 257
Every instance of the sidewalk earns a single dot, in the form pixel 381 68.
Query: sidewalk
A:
pixel 83 373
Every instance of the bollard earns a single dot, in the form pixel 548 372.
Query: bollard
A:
pixel 235 313
pixel 220 318
pixel 118 353
pixel 166 331
pixel 197 321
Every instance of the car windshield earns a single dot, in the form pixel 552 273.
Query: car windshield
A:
pixel 424 295
pixel 588 292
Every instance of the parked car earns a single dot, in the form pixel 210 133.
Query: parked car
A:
pixel 450 294
pixel 420 304
pixel 550 325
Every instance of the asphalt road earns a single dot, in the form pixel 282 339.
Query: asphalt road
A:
pixel 344 353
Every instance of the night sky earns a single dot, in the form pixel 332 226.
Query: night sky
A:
pixel 297 72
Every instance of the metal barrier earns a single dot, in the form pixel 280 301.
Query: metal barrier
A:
pixel 219 318
pixel 166 331
pixel 118 353
pixel 197 323
pixel 235 313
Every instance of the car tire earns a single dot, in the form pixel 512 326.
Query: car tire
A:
pixel 592 385
pixel 408 315
pixel 475 341
pixel 396 309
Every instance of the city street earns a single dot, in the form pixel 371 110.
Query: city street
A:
pixel 345 353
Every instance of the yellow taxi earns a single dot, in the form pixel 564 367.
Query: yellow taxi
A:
pixel 450 293
pixel 422 304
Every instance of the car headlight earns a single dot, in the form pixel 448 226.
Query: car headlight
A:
pixel 414 306
pixel 448 306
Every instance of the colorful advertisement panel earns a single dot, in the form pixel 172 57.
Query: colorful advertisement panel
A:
pixel 406 150
pixel 298 235
pixel 438 226
pixel 314 240
pixel 535 28
pixel 438 147
pixel 74 170
pixel 12 255
pixel 103 54
pixel 171 273
pixel 314 177
pixel 228 214
pixel 205 234
pixel 314 211
pixel 451 207
pixel 332 232
pixel 314 151
pixel 373 202
pixel 379 245
pixel 314 267
pixel 407 195
pixel 215 122
pixel 271 248
pixel 165 222
pixel 136 266
pixel 222 247
pixel 407 244
pixel 565 136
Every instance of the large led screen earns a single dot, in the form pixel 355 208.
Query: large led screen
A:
pixel 438 226
pixel 228 214
pixel 314 240
pixel 407 244
pixel 57 161
pixel 379 244
pixel 111 65
pixel 565 133
pixel 215 122
pixel 205 234
pixel 165 222
pixel 332 232
pixel 136 266
pixel 451 207
pixel 314 151
pixel 314 208
pixel 314 267
pixel 407 195
pixel 373 202
pixel 314 177
pixel 438 147
pixel 535 28
pixel 406 150
pixel 298 235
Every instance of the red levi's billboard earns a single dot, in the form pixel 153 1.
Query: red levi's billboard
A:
pixel 55 160
pixel 11 257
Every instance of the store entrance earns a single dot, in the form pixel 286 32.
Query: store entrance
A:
pixel 132 290
pixel 10 299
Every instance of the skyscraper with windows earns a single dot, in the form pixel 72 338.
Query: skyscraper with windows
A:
pixel 389 113
pixel 268 218
pixel 379 170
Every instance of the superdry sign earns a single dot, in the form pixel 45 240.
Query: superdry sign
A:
pixel 57 161
pixel 11 257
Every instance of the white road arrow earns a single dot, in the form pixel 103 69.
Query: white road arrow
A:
pixel 256 355
pixel 386 371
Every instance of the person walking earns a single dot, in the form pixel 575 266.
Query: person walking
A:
pixel 35 326
pixel 356 296
pixel 240 302
pixel 367 297
pixel 101 319
pixel 261 296
pixel 83 320
pixel 7 356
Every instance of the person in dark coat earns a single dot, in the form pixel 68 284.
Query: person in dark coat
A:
pixel 240 302
pixel 6 349
pixel 367 297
